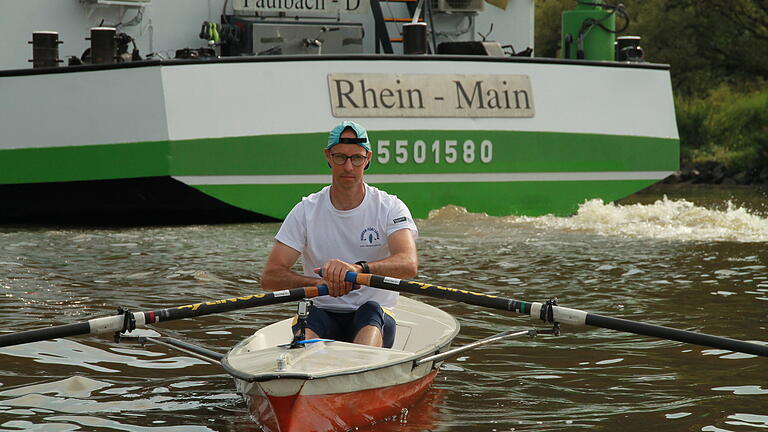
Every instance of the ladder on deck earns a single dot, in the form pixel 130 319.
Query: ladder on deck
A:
pixel 383 39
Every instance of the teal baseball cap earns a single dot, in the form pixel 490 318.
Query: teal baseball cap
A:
pixel 361 140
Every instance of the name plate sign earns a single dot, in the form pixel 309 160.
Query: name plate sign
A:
pixel 331 7
pixel 430 95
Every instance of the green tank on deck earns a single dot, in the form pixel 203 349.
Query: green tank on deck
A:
pixel 582 38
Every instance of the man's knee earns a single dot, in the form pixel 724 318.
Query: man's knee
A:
pixel 370 307
pixel 371 313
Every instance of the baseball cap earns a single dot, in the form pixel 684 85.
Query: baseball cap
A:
pixel 361 140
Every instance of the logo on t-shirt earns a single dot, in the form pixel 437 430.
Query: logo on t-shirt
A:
pixel 369 237
pixel 400 219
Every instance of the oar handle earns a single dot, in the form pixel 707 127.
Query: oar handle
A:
pixel 127 321
pixel 351 276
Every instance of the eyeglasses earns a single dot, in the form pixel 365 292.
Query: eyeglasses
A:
pixel 341 159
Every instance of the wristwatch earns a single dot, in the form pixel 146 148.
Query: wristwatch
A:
pixel 364 265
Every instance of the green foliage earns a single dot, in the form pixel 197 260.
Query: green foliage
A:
pixel 729 126
pixel 548 26
pixel 707 42
pixel 692 116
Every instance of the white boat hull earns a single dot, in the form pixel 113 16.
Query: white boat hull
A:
pixel 337 385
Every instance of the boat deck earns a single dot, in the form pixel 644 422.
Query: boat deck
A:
pixel 421 330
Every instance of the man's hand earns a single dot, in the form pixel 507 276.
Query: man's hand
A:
pixel 333 274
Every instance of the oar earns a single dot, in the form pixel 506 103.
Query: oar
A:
pixel 126 321
pixel 552 313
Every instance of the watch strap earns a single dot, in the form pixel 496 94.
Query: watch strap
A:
pixel 364 265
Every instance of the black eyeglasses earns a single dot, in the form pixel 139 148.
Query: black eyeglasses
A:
pixel 341 159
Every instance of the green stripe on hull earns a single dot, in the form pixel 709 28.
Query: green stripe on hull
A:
pixel 498 199
pixel 512 152
pixel 423 152
pixel 302 154
pixel 95 162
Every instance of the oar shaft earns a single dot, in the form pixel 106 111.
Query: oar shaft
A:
pixel 676 334
pixel 117 323
pixel 464 296
pixel 36 335
pixel 559 314
pixel 232 304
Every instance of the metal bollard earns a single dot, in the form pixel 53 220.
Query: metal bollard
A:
pixel 415 38
pixel 628 49
pixel 45 49
pixel 103 45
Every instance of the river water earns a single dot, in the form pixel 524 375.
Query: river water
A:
pixel 696 259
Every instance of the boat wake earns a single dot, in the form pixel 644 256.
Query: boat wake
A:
pixel 664 219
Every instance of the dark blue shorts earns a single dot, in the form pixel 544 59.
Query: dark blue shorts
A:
pixel 343 326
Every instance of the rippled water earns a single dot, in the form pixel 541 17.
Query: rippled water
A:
pixel 698 264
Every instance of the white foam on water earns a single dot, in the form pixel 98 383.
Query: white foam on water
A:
pixel 452 213
pixel 664 219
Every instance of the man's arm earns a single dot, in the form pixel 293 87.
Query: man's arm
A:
pixel 277 273
pixel 402 262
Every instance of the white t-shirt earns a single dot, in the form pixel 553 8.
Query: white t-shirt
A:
pixel 321 232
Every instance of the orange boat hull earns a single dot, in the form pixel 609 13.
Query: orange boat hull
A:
pixel 338 411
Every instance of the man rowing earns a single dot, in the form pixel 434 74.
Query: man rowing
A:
pixel 346 226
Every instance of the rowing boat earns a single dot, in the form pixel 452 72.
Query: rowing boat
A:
pixel 332 385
